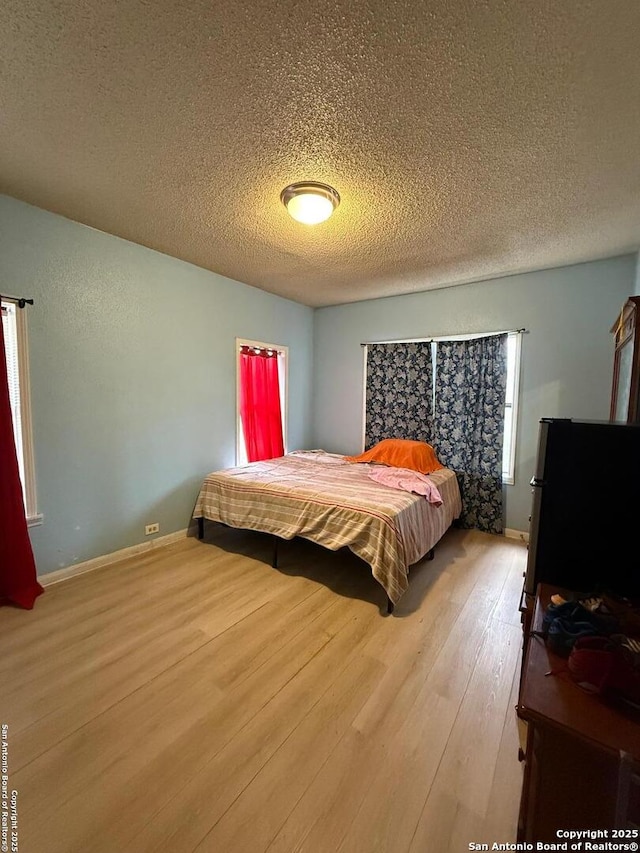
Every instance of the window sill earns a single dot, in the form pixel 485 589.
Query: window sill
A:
pixel 34 521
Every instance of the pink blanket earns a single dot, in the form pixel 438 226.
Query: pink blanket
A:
pixel 405 478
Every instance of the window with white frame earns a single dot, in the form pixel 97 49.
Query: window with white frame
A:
pixel 14 327
pixel 514 340
pixel 511 401
pixel 283 376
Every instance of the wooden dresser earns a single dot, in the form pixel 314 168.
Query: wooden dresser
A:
pixel 581 751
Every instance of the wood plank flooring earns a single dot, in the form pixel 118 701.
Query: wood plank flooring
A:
pixel 195 699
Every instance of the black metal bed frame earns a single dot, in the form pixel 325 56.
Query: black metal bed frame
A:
pixel 274 558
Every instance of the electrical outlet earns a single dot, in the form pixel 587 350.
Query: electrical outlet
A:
pixel 151 528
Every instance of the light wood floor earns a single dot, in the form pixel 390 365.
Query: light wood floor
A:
pixel 195 699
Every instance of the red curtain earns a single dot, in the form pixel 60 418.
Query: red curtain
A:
pixel 18 582
pixel 260 404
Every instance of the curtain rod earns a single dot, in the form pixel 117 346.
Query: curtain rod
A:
pixel 447 337
pixel 261 349
pixel 20 301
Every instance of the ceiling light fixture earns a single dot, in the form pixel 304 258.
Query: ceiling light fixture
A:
pixel 310 202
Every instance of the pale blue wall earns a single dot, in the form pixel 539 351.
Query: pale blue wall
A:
pixel 133 378
pixel 133 372
pixel 567 355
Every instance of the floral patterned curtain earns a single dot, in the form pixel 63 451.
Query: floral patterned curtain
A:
pixel 399 392
pixel 471 378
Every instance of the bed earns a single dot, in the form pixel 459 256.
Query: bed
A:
pixel 322 497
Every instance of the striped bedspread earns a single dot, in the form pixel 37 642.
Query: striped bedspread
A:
pixel 321 497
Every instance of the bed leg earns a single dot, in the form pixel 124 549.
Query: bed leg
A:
pixel 431 554
pixel 201 527
pixel 389 605
pixel 274 561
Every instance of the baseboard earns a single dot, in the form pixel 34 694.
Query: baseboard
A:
pixel 107 559
pixel 512 533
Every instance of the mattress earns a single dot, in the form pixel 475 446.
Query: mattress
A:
pixel 321 497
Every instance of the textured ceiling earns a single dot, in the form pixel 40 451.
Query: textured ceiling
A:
pixel 466 139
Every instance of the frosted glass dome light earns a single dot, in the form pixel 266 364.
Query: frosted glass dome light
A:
pixel 310 202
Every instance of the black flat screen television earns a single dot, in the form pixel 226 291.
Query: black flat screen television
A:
pixel 585 518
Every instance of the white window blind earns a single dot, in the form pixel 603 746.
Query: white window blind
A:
pixel 511 407
pixel 15 341
pixel 9 327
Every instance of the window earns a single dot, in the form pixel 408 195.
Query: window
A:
pixel 514 341
pixel 511 401
pixel 14 327
pixel 282 355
